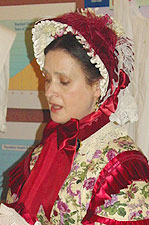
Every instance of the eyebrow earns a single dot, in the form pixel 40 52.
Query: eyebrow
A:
pixel 57 73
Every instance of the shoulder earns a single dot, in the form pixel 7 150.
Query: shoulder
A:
pixel 119 145
pixel 124 176
pixel 106 134
pixel 111 140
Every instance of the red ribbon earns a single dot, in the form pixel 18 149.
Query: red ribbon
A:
pixel 50 171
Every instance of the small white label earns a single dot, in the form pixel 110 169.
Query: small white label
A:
pixel 14 147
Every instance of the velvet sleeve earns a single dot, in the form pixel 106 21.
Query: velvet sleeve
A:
pixel 120 172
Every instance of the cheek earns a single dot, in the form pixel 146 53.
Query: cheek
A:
pixel 76 97
pixel 71 98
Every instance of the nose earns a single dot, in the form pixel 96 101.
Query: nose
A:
pixel 51 89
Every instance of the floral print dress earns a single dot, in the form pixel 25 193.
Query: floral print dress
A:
pixel 132 203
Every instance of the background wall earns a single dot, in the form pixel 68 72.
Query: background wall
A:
pixel 27 110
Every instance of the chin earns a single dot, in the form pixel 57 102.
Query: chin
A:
pixel 59 120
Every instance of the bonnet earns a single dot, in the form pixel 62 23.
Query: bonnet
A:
pixel 108 48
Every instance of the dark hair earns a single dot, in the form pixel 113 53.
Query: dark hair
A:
pixel 70 44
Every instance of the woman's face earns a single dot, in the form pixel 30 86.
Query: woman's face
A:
pixel 67 92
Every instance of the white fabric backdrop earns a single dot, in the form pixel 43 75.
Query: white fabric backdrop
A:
pixel 6 40
pixel 137 28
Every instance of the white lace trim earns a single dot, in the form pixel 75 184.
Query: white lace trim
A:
pixel 100 139
pixel 126 110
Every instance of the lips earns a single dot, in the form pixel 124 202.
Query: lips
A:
pixel 55 107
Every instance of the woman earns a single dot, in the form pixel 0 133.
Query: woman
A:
pixel 86 169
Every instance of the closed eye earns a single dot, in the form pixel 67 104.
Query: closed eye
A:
pixel 65 83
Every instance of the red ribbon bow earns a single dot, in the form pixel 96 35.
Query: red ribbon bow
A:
pixel 50 171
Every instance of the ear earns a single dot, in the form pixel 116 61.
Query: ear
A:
pixel 96 85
